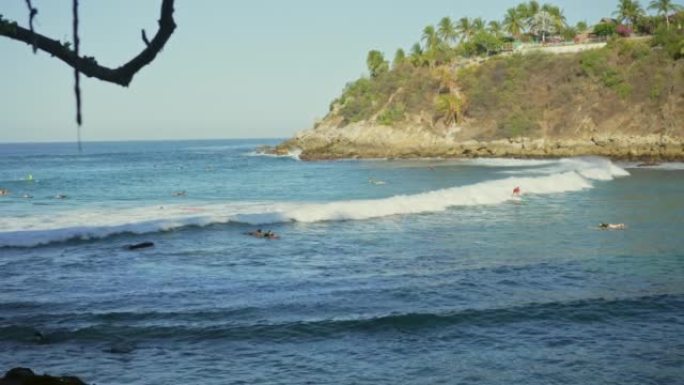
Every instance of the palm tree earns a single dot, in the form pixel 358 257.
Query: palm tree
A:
pixel 664 7
pixel 514 22
pixel 582 26
pixel 543 23
pixel 629 10
pixel 430 37
pixel 451 106
pixel 533 7
pixel 528 10
pixel 376 63
pixel 557 14
pixel 416 55
pixel 447 30
pixel 399 58
pixel 478 25
pixel 495 28
pixel 464 28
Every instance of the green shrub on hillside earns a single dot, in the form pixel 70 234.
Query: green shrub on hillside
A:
pixel 671 40
pixel 597 65
pixel 519 123
pixel 512 95
pixel 605 29
pixel 358 100
pixel 631 49
pixel 392 114
pixel 482 43
pixel 411 89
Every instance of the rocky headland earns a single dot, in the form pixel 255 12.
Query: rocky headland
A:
pixel 623 101
pixel 368 141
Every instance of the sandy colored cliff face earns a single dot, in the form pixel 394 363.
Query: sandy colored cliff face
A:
pixel 362 141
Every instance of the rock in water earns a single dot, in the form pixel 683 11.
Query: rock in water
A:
pixel 26 376
pixel 138 246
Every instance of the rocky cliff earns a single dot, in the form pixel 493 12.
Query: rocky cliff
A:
pixel 622 101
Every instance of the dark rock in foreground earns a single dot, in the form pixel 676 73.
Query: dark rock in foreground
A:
pixel 25 376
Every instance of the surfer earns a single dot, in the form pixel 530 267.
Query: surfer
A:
pixel 179 193
pixel 516 191
pixel 256 234
pixel 263 234
pixel 60 196
pixel 612 226
pixel 3 192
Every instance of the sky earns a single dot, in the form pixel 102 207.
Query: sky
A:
pixel 232 69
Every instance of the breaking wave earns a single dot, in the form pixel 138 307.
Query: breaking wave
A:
pixel 294 154
pixel 567 175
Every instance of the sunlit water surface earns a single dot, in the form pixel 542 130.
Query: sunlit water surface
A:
pixel 386 272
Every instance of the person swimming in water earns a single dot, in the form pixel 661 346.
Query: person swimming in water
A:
pixel 263 234
pixel 612 226
pixel 257 234
pixel 3 192
pixel 516 191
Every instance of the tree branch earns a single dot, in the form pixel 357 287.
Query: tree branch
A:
pixel 88 65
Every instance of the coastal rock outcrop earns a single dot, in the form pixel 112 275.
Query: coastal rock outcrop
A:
pixel 373 141
pixel 26 376
pixel 623 101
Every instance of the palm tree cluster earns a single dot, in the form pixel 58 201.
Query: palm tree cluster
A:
pixel 527 21
pixel 663 8
pixel 535 19
pixel 628 11
pixel 632 15
pixel 476 36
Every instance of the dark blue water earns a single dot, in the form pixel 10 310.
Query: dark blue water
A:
pixel 386 272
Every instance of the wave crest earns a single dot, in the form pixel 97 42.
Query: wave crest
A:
pixel 566 175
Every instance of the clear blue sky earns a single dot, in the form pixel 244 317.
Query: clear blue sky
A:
pixel 232 69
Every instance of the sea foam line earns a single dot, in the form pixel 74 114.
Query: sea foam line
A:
pixel 41 230
pixel 294 154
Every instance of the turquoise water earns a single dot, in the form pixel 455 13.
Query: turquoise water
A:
pixel 386 272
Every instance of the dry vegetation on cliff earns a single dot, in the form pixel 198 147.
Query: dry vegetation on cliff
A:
pixel 623 100
pixel 628 87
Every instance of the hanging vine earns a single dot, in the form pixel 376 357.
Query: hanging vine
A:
pixel 32 13
pixel 77 74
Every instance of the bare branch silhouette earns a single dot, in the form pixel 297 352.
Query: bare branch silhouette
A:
pixel 88 66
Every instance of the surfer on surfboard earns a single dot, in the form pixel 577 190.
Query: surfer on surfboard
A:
pixel 263 234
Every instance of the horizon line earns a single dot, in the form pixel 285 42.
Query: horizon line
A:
pixel 135 140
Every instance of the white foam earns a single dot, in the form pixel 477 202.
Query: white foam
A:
pixel 294 154
pixel 511 162
pixel 589 167
pixel 577 175
pixel 669 166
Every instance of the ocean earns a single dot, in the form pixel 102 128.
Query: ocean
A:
pixel 385 272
